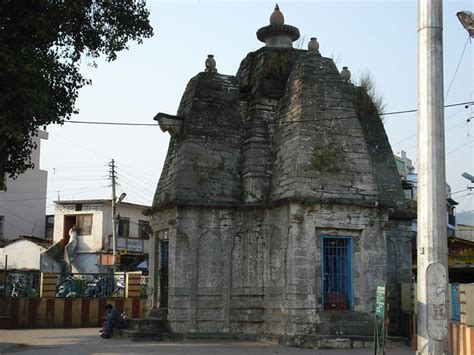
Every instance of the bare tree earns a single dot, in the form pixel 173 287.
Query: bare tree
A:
pixel 336 58
pixel 300 42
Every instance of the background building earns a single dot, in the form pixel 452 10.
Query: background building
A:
pixel 93 252
pixel 23 253
pixel 23 205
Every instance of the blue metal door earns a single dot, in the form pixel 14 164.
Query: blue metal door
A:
pixel 164 274
pixel 337 273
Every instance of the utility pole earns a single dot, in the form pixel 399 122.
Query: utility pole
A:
pixel 432 229
pixel 114 215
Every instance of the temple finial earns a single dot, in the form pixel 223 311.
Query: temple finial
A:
pixel 277 17
pixel 277 34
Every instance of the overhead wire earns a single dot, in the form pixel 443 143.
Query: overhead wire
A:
pixel 144 173
pixel 446 118
pixel 457 68
pixel 131 185
pixel 281 122
pixel 147 182
pixel 457 192
pixel 130 188
pixel 461 146
pixel 49 196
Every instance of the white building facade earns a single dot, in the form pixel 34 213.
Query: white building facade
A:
pixel 93 219
pixel 23 205
pixel 23 253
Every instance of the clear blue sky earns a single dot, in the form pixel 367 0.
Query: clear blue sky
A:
pixel 375 36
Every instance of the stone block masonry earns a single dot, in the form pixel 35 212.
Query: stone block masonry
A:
pixel 279 202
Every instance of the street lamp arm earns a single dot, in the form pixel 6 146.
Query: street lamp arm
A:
pixel 468 177
pixel 467 20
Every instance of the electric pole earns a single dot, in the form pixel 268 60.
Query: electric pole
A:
pixel 432 229
pixel 114 214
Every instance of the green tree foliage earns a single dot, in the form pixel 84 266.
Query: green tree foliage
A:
pixel 41 46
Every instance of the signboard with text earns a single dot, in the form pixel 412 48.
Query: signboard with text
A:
pixel 380 301
pixel 128 244
pixel 380 325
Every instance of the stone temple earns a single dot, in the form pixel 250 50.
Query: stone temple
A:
pixel 279 208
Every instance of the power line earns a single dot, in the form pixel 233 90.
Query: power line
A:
pixel 131 187
pixel 71 167
pixel 137 187
pixel 17 215
pixel 114 123
pixel 457 68
pixel 457 192
pixel 332 118
pixel 48 196
pixel 66 179
pixel 462 145
pixel 446 118
pixel 414 135
pixel 133 176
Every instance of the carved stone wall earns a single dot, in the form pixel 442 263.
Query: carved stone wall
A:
pixel 264 164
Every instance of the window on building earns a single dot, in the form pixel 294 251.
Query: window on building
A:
pixel 144 229
pixel 124 227
pixel 2 222
pixel 3 181
pixel 84 223
pixel 49 227
pixel 337 273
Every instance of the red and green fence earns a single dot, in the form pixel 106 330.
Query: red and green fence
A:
pixel 47 310
pixel 461 315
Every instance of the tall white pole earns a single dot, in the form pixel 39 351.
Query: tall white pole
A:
pixel 432 228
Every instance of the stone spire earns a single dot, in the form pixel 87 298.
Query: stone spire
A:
pixel 277 34
pixel 277 17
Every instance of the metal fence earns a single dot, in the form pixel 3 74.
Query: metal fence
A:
pixel 22 284
pixel 70 285
pixel 90 285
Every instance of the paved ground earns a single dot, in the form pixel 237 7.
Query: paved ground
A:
pixel 87 341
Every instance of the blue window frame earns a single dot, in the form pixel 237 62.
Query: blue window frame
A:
pixel 164 255
pixel 164 273
pixel 337 273
pixel 455 303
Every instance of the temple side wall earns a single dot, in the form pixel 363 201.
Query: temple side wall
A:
pixel 259 271
pixel 399 267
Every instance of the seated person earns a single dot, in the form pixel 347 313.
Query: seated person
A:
pixel 113 319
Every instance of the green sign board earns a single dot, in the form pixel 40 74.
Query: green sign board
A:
pixel 380 301
pixel 380 325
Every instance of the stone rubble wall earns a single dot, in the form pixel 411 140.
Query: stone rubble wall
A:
pixel 203 160
pixel 266 163
pixel 259 271
pixel 322 154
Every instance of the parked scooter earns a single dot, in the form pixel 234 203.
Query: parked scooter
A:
pixel 67 289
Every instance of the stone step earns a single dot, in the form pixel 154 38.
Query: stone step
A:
pixel 343 316
pixel 147 324
pixel 208 336
pixel 160 313
pixel 141 335
pixel 333 342
pixel 159 335
pixel 342 328
pixel 310 341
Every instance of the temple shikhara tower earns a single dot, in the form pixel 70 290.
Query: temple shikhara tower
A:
pixel 279 208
